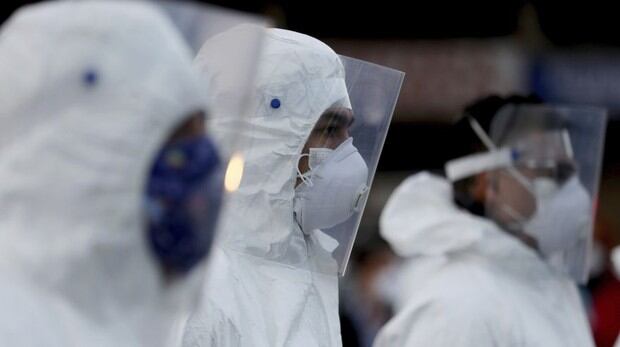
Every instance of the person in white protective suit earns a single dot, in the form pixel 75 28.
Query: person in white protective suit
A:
pixel 90 92
pixel 474 276
pixel 255 301
pixel 273 278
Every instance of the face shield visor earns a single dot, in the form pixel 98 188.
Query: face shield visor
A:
pixel 187 179
pixel 340 157
pixel 542 171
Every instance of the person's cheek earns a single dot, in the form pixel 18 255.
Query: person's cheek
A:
pixel 338 138
pixel 507 193
pixel 529 202
pixel 344 135
pixel 492 201
pixel 347 133
pixel 313 141
pixel 521 199
pixel 326 141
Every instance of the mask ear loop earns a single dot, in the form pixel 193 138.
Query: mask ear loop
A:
pixel 304 177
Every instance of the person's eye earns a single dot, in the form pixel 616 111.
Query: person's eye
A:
pixel 331 130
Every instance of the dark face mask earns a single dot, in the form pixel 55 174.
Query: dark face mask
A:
pixel 183 197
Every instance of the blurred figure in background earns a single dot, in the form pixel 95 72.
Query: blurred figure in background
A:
pixel 109 188
pixel 494 256
pixel 368 294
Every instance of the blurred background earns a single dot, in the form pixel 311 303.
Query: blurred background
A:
pixel 453 53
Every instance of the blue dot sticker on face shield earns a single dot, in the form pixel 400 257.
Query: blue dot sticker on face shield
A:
pixel 275 103
pixel 90 77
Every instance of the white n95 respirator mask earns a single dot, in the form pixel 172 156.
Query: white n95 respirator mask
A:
pixel 563 215
pixel 333 189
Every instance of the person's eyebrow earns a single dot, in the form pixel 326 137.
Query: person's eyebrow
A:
pixel 336 117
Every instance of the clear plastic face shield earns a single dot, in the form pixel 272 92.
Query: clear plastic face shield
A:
pixel 340 157
pixel 226 46
pixel 543 173
pixel 186 181
pixel 198 22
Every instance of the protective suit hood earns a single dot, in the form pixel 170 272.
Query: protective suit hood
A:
pixel 420 218
pixel 90 91
pixel 298 78
pixel 466 281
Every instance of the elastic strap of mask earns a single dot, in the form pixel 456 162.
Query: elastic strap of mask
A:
pixel 519 219
pixel 304 177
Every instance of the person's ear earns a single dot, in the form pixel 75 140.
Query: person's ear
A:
pixel 479 188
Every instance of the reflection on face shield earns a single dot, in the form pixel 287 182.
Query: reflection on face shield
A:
pixel 559 172
pixel 182 203
pixel 545 154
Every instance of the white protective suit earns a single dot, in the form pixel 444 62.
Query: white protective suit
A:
pixel 468 283
pixel 89 93
pixel 263 289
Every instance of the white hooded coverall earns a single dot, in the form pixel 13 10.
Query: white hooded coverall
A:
pixel 468 283
pixel 263 288
pixel 89 93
